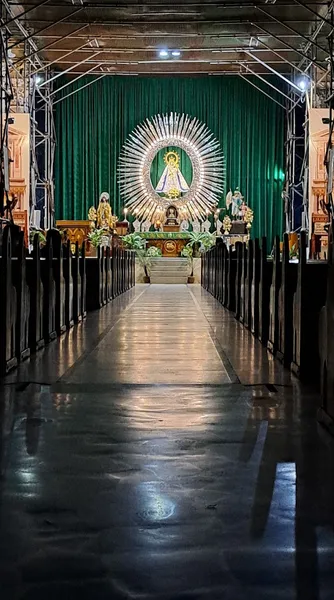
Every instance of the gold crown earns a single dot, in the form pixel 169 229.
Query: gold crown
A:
pixel 172 155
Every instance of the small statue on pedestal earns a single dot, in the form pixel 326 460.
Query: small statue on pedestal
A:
pixel 171 215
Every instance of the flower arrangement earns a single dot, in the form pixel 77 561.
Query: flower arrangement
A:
pixel 227 224
pixel 154 252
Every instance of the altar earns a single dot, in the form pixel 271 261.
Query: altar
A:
pixel 170 243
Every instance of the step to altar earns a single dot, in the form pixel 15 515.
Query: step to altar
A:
pixel 169 270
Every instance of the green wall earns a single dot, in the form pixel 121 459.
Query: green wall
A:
pixel 93 124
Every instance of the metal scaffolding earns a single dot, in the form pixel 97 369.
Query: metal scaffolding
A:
pixel 20 93
pixel 27 82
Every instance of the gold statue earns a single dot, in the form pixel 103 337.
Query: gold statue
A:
pixel 104 212
pixel 102 218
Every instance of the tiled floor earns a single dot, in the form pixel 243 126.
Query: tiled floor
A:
pixel 160 453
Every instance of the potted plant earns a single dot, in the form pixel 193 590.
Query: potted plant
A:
pixel 95 237
pixel 200 241
pixel 133 241
pixel 187 252
pixel 145 261
pixel 41 237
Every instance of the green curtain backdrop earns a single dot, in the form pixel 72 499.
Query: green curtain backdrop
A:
pixel 93 124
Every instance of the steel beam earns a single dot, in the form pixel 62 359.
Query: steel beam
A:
pixel 260 90
pixel 261 62
pixel 45 28
pixel 300 52
pixel 81 88
pixel 69 69
pixel 266 82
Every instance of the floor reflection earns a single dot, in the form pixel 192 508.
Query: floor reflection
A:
pixel 114 489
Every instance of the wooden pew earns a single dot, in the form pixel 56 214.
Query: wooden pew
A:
pixel 239 255
pixel 266 268
pixel 103 285
pixel 108 283
pixel 70 283
pixel 274 298
pixel 49 295
pixel 307 304
pixel 36 290
pixel 82 269
pixel 253 321
pixel 225 277
pixel 94 274
pixel 285 305
pixel 8 358
pixel 219 270
pixel 77 314
pixel 326 344
pixel 231 279
pixel 114 270
pixel 244 271
pixel 59 280
pixel 22 299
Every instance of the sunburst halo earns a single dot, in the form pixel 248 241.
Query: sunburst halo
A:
pixel 139 150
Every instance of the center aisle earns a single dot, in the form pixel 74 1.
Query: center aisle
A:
pixel 158 463
pixel 163 337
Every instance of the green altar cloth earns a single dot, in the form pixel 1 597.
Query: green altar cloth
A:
pixel 168 235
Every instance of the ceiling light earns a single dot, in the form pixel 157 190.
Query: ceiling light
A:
pixel 176 53
pixel 163 54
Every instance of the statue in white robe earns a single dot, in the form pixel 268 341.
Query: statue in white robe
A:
pixel 172 183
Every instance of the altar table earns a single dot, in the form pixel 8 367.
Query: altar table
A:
pixel 170 243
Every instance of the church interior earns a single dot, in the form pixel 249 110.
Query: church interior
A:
pixel 166 305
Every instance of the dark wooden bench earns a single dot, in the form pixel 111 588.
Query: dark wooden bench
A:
pixel 248 285
pixel 22 300
pixel 36 290
pixel 274 299
pixel 266 268
pixel 8 358
pixel 255 289
pixel 308 299
pixel 285 305
pixel 238 274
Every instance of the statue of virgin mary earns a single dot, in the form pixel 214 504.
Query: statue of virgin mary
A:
pixel 172 183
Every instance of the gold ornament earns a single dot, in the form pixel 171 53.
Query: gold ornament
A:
pixel 249 216
pixel 92 216
pixel 227 225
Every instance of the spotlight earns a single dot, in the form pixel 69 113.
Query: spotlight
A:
pixel 163 54
pixel 38 79
pixel 176 53
pixel 303 84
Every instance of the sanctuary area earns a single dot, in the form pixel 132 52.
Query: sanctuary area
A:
pixel 166 300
